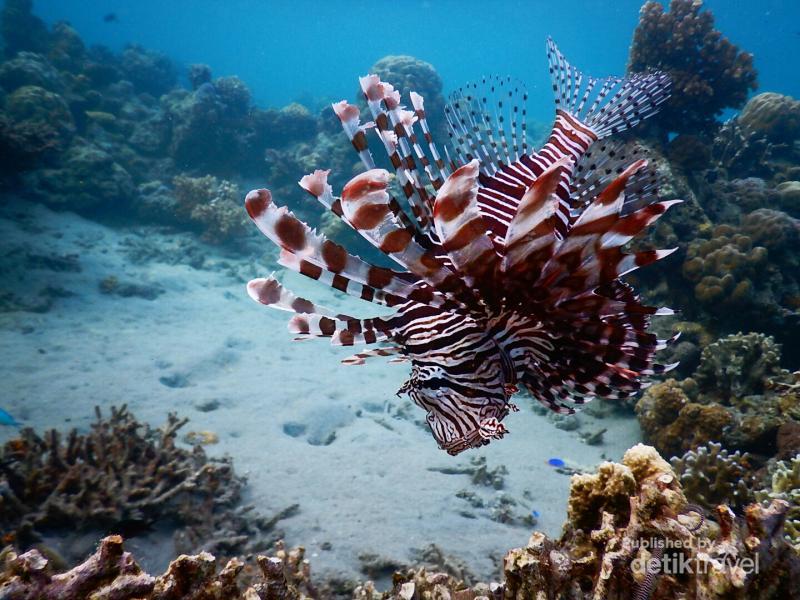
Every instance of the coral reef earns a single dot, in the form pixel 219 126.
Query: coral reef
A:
pixel 708 72
pixel 762 139
pixel 629 528
pixel 124 477
pixel 785 485
pixel 749 270
pixel 711 476
pixel 738 396
pixel 211 204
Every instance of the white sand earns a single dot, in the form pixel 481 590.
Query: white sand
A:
pixel 370 490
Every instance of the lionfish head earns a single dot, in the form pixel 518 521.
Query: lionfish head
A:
pixel 460 417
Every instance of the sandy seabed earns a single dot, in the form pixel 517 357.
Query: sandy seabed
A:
pixel 301 427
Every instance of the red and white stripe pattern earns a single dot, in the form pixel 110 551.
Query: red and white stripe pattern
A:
pixel 511 259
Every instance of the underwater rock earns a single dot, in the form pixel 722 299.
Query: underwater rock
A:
pixel 211 204
pixel 708 72
pixel 87 179
pixel 20 29
pixel 711 476
pixel 198 75
pixel 774 116
pixel 29 68
pixel 789 197
pixel 148 70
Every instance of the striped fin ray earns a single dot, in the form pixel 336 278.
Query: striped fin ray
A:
pixel 317 185
pixel 395 125
pixel 365 203
pixel 312 248
pixel 418 102
pixel 532 230
pixel 342 332
pixel 361 358
pixel 462 230
pixel 350 118
pixel 483 116
pixel 617 103
pixel 346 285
pixel 607 159
pixel 270 292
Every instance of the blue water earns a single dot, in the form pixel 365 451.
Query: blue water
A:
pixel 304 48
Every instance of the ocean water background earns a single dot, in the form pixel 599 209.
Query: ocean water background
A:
pixel 376 488
pixel 306 49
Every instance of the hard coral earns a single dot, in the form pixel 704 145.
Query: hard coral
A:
pixel 122 476
pixel 711 476
pixel 607 559
pixel 785 485
pixel 708 72
pixel 773 116
pixel 212 204
pixel 738 366
pixel 738 396
pixel 673 423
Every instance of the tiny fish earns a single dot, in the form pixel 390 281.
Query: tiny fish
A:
pixel 509 261
pixel 110 18
pixel 535 514
pixel 7 419
pixel 556 462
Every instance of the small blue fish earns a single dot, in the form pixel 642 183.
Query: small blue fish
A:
pixel 556 462
pixel 535 514
pixel 7 419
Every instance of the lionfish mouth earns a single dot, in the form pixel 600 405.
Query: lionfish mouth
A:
pixel 489 231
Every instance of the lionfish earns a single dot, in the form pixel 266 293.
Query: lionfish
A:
pixel 511 259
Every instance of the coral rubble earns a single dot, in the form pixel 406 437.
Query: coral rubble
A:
pixel 111 572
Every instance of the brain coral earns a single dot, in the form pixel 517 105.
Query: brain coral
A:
pixel 708 72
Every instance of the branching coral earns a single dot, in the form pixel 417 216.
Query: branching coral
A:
pixel 120 475
pixel 708 72
pixel 212 204
pixel 124 477
pixel 785 485
pixel 711 476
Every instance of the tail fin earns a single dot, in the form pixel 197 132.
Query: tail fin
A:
pixel 608 105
